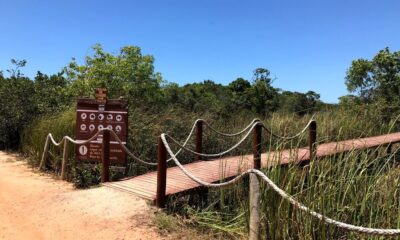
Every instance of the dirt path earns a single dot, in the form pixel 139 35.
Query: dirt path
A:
pixel 38 207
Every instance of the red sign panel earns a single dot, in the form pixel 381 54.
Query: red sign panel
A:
pixel 90 118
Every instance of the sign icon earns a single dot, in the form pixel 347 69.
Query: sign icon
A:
pixel 92 116
pixel 119 118
pixel 109 127
pixel 83 150
pixel 101 116
pixel 109 117
pixel 83 116
pixel 101 96
pixel 100 127
pixel 91 127
pixel 118 128
pixel 83 127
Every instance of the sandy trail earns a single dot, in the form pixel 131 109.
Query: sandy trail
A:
pixel 33 206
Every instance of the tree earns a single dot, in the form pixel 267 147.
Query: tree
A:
pixel 18 106
pixel 239 89
pixel 15 72
pixel 128 74
pixel 51 93
pixel 377 79
pixel 299 103
pixel 263 97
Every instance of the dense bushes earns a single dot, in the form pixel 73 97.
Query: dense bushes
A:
pixel 17 108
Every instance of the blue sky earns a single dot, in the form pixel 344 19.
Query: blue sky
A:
pixel 307 45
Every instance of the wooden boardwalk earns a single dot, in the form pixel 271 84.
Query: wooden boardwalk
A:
pixel 145 185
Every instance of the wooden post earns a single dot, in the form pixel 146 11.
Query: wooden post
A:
pixel 161 174
pixel 254 194
pixel 45 153
pixel 199 139
pixel 65 159
pixel 312 140
pixel 105 170
pixel 257 146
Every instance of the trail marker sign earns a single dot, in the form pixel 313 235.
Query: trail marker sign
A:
pixel 101 96
pixel 95 114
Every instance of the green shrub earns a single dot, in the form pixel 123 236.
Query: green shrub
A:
pixel 85 177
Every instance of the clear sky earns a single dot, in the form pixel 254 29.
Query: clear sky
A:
pixel 307 45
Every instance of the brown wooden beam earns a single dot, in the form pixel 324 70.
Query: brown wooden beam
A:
pixel 161 174
pixel 257 146
pixel 312 139
pixel 199 139
pixel 105 154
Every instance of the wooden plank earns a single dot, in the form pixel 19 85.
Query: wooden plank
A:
pixel 217 169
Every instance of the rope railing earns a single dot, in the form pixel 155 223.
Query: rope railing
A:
pixel 269 130
pixel 230 134
pixel 80 142
pixel 250 128
pixel 283 194
pixel 181 146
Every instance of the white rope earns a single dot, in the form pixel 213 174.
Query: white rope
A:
pixel 251 126
pixel 78 142
pixel 268 130
pixel 188 137
pixel 230 134
pixel 215 154
pixel 284 195
pixel 128 151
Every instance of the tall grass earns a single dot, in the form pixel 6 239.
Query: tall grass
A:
pixel 360 187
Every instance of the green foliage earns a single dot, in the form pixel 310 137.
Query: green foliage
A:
pixel 51 93
pixel 376 79
pixel 17 108
pixel 128 74
pixel 240 97
pixel 34 136
pixel 263 97
pixel 299 103
pixel 85 177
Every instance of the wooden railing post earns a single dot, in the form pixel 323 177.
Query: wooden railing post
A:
pixel 312 140
pixel 65 159
pixel 105 169
pixel 254 201
pixel 45 153
pixel 161 174
pixel 257 146
pixel 199 139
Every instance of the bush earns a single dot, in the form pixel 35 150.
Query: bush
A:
pixel 84 177
pixel 17 109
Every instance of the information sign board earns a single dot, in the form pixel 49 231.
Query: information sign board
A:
pixel 91 117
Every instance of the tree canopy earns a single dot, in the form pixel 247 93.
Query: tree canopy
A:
pixel 377 79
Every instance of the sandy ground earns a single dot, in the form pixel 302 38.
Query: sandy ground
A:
pixel 34 206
